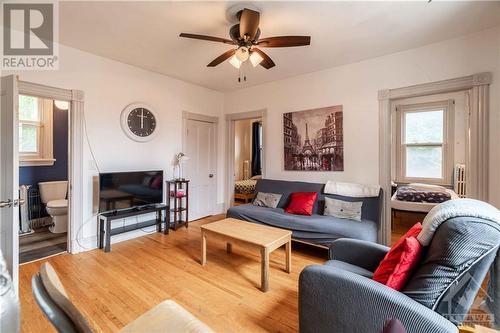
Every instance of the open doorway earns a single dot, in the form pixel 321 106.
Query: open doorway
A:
pixel 248 147
pixel 429 140
pixel 245 156
pixel 44 126
pixel 437 134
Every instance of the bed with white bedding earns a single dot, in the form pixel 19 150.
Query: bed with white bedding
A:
pixel 421 207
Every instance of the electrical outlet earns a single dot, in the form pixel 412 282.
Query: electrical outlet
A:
pixel 92 165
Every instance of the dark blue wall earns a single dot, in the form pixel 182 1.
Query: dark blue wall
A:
pixel 59 171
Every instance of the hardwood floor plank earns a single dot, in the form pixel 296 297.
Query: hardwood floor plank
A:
pixel 112 289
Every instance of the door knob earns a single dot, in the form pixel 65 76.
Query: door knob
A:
pixel 6 203
pixel 211 175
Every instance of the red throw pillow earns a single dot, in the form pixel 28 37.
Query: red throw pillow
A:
pixel 399 263
pixel 301 203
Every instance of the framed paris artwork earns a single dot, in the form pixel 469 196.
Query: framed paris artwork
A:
pixel 314 140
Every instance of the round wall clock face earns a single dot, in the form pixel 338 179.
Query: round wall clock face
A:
pixel 139 122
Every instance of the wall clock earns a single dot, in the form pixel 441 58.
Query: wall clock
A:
pixel 139 122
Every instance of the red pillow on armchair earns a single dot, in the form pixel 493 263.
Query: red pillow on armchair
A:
pixel 399 263
pixel 301 203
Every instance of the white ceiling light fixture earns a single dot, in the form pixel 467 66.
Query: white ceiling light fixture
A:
pixel 235 62
pixel 255 59
pixel 242 54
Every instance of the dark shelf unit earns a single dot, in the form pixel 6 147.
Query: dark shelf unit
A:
pixel 179 203
pixel 105 219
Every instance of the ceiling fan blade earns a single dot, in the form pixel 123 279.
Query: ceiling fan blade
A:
pixel 209 38
pixel 249 23
pixel 284 41
pixel 266 62
pixel 224 56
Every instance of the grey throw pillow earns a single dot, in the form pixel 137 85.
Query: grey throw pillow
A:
pixel 270 200
pixel 343 209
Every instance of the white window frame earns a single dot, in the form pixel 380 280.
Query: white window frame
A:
pixel 44 156
pixel 447 145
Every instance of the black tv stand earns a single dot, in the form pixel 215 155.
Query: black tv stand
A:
pixel 105 219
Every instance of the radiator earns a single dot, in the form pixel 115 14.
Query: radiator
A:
pixel 246 169
pixel 37 215
pixel 25 227
pixel 459 180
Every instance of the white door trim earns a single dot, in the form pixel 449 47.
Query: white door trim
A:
pixel 230 151
pixel 215 123
pixel 75 194
pixel 478 147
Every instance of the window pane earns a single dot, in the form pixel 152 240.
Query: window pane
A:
pixel 424 162
pixel 28 108
pixel 27 138
pixel 424 127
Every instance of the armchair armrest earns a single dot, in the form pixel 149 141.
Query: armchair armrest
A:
pixel 358 252
pixel 334 300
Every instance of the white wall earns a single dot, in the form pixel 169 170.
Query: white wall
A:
pixel 355 86
pixel 109 86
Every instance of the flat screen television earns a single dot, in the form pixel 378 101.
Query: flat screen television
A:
pixel 122 190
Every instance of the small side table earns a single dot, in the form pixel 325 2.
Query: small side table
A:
pixel 178 192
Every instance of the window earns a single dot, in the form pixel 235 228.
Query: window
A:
pixel 35 131
pixel 423 134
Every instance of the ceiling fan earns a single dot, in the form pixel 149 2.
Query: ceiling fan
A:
pixel 246 37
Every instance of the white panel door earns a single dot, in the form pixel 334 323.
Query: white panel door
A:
pixel 9 177
pixel 200 147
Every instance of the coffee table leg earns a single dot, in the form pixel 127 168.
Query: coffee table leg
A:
pixel 288 250
pixel 203 248
pixel 264 273
pixel 229 248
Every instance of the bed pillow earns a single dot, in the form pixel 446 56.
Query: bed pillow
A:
pixel 270 200
pixel 343 209
pixel 301 203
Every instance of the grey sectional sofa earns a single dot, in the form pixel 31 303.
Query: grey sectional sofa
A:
pixel 317 228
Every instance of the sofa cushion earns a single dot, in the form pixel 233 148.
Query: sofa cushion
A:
pixel 343 209
pixel 349 267
pixel 370 210
pixel 301 203
pixel 396 267
pixel 314 228
pixel 267 199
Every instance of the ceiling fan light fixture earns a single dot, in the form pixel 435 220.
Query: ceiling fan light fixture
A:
pixel 255 59
pixel 242 54
pixel 235 62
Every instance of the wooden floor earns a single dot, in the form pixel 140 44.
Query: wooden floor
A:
pixel 42 243
pixel 112 289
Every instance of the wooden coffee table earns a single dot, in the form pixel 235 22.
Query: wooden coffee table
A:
pixel 266 239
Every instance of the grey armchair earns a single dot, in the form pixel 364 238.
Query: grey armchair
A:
pixel 340 296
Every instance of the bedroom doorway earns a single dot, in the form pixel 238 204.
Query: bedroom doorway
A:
pixel 245 155
pixel 247 158
pixel 437 134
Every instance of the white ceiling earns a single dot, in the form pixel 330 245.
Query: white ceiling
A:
pixel 145 34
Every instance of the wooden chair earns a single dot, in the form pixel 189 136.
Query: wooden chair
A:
pixel 54 302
